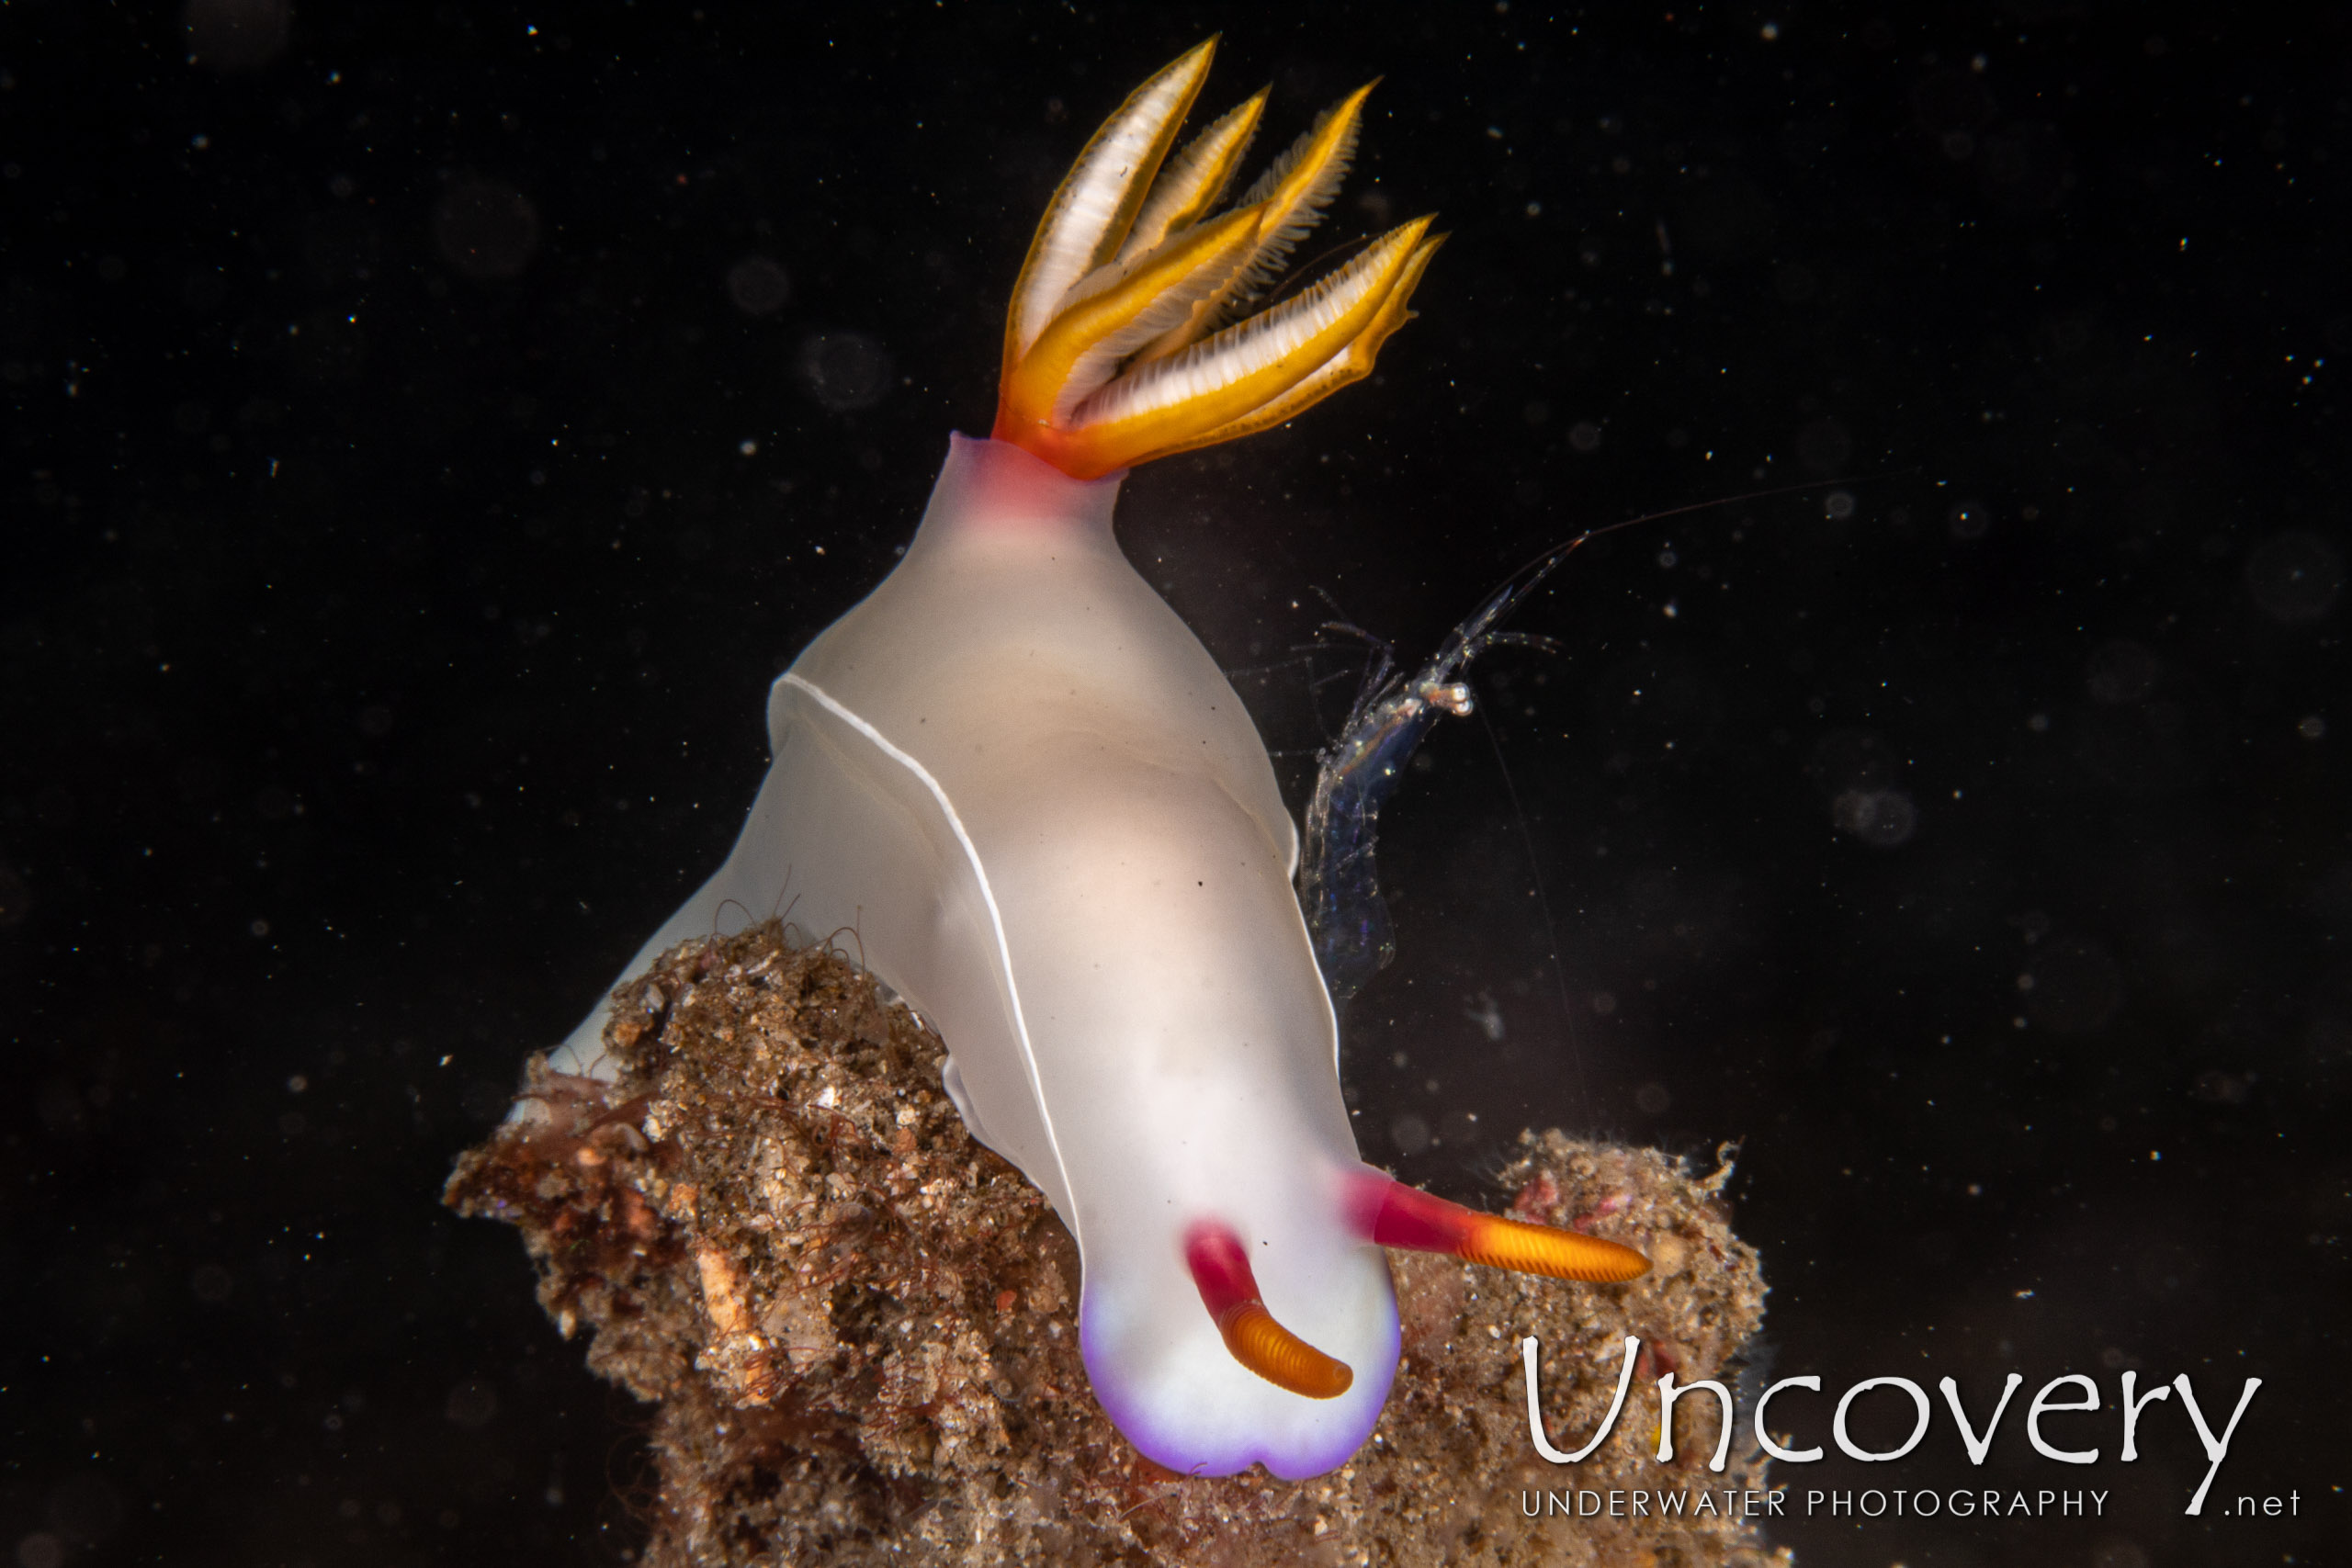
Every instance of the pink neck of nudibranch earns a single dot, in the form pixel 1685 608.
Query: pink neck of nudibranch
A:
pixel 996 485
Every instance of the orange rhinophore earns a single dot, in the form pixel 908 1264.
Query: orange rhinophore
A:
pixel 1131 336
pixel 1393 1214
pixel 1220 1267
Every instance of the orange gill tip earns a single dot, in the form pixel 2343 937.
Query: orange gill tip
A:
pixel 1390 1214
pixel 1114 354
pixel 1220 1267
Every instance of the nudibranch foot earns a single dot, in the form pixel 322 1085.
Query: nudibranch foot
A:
pixel 1220 1267
pixel 1389 1213
pixel 1128 338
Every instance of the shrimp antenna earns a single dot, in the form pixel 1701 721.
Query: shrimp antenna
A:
pixel 1544 561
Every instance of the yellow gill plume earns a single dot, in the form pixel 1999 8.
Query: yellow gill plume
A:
pixel 1353 363
pixel 1111 316
pixel 1195 181
pixel 1296 192
pixel 1113 355
pixel 1230 376
pixel 1096 205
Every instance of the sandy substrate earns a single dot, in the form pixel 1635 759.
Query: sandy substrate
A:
pixel 859 1326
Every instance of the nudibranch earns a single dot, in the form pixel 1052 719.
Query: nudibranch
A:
pixel 1029 791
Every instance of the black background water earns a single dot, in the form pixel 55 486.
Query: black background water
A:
pixel 429 430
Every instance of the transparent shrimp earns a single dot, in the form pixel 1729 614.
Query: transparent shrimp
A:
pixel 1338 881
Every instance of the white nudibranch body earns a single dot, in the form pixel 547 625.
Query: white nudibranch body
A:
pixel 1027 786
pixel 1021 780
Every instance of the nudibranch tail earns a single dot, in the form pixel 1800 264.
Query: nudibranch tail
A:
pixel 1390 1214
pixel 1123 345
pixel 1220 1267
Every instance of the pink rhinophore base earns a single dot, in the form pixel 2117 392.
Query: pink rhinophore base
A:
pixel 1389 1213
